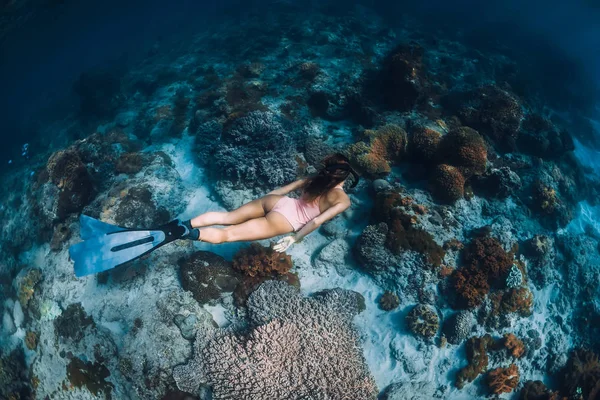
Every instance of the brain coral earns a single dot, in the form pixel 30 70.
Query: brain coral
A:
pixel 298 348
pixel 465 149
pixel 447 183
pixel 423 144
pixel 423 321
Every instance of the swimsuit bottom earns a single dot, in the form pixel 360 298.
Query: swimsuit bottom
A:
pixel 297 212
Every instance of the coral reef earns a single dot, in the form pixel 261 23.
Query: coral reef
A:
pixel 26 284
pixel 536 390
pixel 130 163
pixel 69 174
pixel 72 323
pixel 477 358
pixel 490 110
pixel 138 208
pixel 514 345
pixel 423 321
pixel 581 375
pixel 207 275
pixel 31 340
pixel 458 326
pixel 503 380
pixel 383 148
pixel 62 233
pixel 322 361
pixel 423 144
pixel 464 149
pixel 90 375
pixel 497 183
pixel 539 137
pixel 389 301
pixel 14 376
pixel 403 77
pixel 447 183
pixel 257 260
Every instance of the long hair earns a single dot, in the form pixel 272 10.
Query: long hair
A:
pixel 336 168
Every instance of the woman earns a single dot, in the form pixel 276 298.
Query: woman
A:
pixel 274 214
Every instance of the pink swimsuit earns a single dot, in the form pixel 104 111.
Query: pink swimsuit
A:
pixel 297 211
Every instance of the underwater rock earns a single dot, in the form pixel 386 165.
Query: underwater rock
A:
pixel 411 390
pixel 403 77
pixel 370 249
pixel 137 208
pixel 187 325
pixel 62 233
pixel 490 110
pixel 333 256
pixel 539 137
pixel 90 375
pixel 14 376
pixel 228 362
pixel 70 175
pixel 581 375
pixel 497 182
pixel 503 380
pixel 18 316
pixel 335 227
pixel 72 323
pixel 381 185
pixel 207 275
pixel 457 327
pixel 31 340
pixel 423 321
pixel 257 260
pixel 8 325
pixel 130 163
pixel 389 301
pixel 536 390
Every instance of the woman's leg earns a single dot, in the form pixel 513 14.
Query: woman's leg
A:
pixel 255 209
pixel 271 225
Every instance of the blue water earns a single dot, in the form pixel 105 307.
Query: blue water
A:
pixel 468 122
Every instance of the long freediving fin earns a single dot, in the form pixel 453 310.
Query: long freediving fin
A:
pixel 107 246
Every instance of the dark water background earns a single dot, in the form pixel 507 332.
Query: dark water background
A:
pixel 40 59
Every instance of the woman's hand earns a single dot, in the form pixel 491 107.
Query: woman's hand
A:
pixel 284 243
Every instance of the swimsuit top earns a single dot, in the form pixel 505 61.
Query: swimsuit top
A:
pixel 311 209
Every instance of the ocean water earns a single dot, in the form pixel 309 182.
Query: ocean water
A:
pixel 466 266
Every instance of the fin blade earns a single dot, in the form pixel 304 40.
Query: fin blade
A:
pixel 92 227
pixel 108 251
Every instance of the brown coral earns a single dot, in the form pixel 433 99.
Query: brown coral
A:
pixel 31 340
pixel 389 301
pixel 383 147
pixel 514 345
pixel 503 380
pixel 423 321
pixel 536 390
pixel 464 149
pixel 486 253
pixel 257 260
pixel 68 172
pixel 403 77
pixel 517 300
pixel 402 236
pixel 27 285
pixel 447 183
pixel 582 372
pixel 471 286
pixel 477 358
pixel 423 144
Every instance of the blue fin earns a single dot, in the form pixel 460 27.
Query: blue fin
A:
pixel 91 227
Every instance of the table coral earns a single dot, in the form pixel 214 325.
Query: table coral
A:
pixel 257 260
pixel 503 380
pixel 423 321
pixel 298 348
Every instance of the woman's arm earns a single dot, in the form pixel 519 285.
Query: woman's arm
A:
pixel 288 188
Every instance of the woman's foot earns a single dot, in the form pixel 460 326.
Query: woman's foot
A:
pixel 191 233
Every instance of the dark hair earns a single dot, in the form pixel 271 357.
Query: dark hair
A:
pixel 335 169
